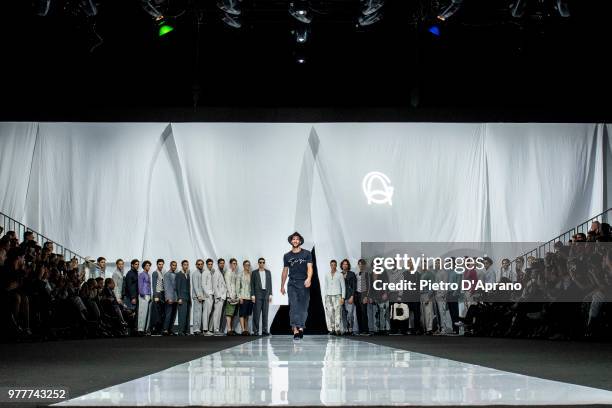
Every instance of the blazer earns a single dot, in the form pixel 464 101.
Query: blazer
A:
pixel 170 285
pixel 154 277
pixel 350 284
pixel 256 289
pixel 130 284
pixel 183 291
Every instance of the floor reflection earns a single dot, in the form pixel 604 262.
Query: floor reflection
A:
pixel 334 371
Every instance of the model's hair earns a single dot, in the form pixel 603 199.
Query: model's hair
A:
pixel 145 263
pixel 233 260
pixel 220 259
pixel 261 259
pixel 134 262
pixel 118 260
pixel 160 260
pixel 100 258
pixel 210 260
pixel 333 261
pixel 347 262
pixel 184 261
pixel 361 261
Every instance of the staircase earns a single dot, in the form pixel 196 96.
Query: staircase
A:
pixel 548 246
pixel 10 224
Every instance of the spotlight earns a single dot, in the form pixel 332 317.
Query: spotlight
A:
pixel 231 12
pixel 563 8
pixel 371 6
pixel 229 7
pixel 164 27
pixel 42 7
pixel 364 21
pixel 88 7
pixel 450 10
pixel 520 7
pixel 231 20
pixel 151 10
pixel 302 33
pixel 435 30
pixel 300 11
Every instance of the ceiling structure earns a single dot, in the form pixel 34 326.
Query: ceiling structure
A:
pixel 82 60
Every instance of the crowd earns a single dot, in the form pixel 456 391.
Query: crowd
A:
pixel 44 296
pixel 563 295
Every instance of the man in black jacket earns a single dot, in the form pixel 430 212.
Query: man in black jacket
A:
pixel 350 284
pixel 130 285
pixel 183 296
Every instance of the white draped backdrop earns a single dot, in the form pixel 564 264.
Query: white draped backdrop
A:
pixel 199 190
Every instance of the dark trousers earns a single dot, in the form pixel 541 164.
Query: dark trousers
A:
pixel 260 308
pixel 170 315
pixel 362 313
pixel 158 314
pixel 299 298
pixel 453 309
pixel 183 317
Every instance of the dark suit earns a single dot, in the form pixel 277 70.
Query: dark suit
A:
pixel 170 296
pixel 130 287
pixel 261 299
pixel 159 308
pixel 183 293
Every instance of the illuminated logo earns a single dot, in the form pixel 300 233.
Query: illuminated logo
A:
pixel 377 188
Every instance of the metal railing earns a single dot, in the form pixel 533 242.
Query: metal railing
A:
pixel 549 246
pixel 10 224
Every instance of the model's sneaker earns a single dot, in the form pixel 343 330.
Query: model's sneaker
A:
pixel 296 337
pixel 301 334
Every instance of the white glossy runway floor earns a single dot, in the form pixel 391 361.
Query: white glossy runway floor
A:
pixel 321 370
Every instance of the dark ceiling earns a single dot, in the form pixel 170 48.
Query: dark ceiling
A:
pixel 485 65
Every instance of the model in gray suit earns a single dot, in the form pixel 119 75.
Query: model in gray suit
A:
pixel 261 295
pixel 170 298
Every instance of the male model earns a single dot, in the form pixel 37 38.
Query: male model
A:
pixel 298 268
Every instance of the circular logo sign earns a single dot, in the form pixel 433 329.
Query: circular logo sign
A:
pixel 377 188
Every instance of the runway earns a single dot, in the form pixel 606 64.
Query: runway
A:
pixel 322 370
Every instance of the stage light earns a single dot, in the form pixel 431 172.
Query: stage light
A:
pixel 231 20
pixel 364 21
pixel 563 8
pixel 300 11
pixel 301 33
pixel 450 10
pixel 371 12
pixel 88 7
pixel 229 6
pixel 371 6
pixel 164 28
pixel 42 7
pixel 519 8
pixel 435 30
pixel 151 10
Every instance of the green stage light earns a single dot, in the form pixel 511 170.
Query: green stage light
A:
pixel 164 28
